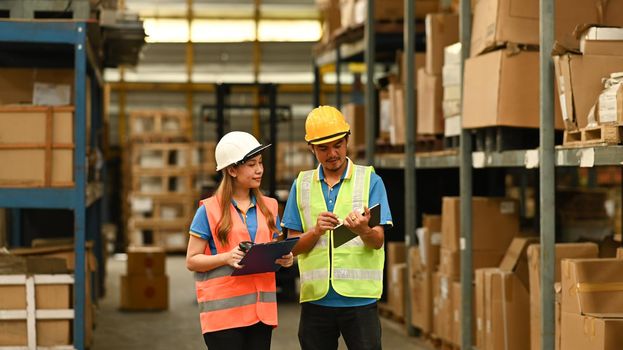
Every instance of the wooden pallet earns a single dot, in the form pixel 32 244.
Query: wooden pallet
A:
pixel 452 142
pixel 161 155
pixel 601 135
pixel 46 9
pixel 386 312
pixel 162 181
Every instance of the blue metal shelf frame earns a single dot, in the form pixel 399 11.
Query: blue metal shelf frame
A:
pixel 70 33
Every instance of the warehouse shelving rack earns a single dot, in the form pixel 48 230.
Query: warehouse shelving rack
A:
pixel 66 45
pixel 546 158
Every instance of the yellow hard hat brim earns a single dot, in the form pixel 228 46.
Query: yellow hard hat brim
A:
pixel 329 139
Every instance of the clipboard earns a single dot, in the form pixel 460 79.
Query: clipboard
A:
pixel 341 233
pixel 261 257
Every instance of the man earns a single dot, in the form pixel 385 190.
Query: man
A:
pixel 339 285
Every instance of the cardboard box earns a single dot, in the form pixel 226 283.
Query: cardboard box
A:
pixel 17 84
pixel 456 313
pixel 501 88
pixel 446 315
pixel 47 297
pixel 144 292
pixel 450 265
pixel 420 287
pixel 495 222
pixel 451 75
pixel 480 305
pixel 347 13
pixel 429 238
pixel 581 332
pixel 557 315
pixel 397 114
pixel 355 116
pixel 436 291
pixel 35 166
pixel 592 286
pixel 429 96
pixel 609 108
pixel 507 311
pixel 578 79
pixel 442 29
pixel 393 9
pixel 331 20
pixel 452 126
pixel 396 253
pixel 146 261
pixel 602 41
pixel 563 251
pixel 452 93
pixel 397 287
pixel 419 63
pixel 516 258
pixel 517 21
pixel 385 118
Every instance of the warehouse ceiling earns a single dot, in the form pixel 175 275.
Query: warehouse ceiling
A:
pixel 164 59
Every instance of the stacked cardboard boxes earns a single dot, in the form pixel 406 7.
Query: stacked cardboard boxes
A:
pixel 592 304
pixel 355 117
pixel 563 251
pixel 161 192
pixel 495 224
pixel 396 273
pixel 145 285
pixel 451 81
pixel 441 31
pixel 580 76
pixel 423 263
pixel 36 302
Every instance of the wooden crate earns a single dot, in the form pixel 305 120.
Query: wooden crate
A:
pixel 162 181
pixel 38 143
pixel 35 311
pixel 167 211
pixel 161 156
pixel 172 241
pixel 160 125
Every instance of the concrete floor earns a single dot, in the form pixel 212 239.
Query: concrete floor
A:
pixel 178 328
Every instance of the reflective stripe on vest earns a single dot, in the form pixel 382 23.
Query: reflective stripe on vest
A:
pixel 240 300
pixel 227 301
pixel 351 263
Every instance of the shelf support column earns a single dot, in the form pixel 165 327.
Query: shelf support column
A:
pixel 547 174
pixel 465 160
pixel 79 202
pixel 369 57
pixel 410 174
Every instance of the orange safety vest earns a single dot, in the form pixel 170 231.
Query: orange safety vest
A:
pixel 226 301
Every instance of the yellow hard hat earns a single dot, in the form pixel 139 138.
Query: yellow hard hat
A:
pixel 325 124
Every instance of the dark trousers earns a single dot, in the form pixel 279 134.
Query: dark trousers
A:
pixel 256 337
pixel 321 326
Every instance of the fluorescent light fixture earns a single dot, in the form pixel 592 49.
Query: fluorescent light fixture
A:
pixel 230 31
pixel 289 30
pixel 166 30
pixel 222 31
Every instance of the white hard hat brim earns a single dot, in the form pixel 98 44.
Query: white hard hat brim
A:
pixel 254 152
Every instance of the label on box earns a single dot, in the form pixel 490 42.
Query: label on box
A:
pixel 444 287
pixel 507 207
pixel 141 204
pixel 51 94
pixel 462 243
pixel 587 157
pixel 478 159
pixel 608 104
pixel 456 315
pixel 531 159
pixel 435 238
pixel 479 323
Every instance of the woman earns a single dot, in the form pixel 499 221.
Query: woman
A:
pixel 236 312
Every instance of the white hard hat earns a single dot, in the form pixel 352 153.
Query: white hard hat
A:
pixel 236 147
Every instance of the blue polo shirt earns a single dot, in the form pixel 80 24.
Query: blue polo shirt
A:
pixel 200 226
pixel 292 221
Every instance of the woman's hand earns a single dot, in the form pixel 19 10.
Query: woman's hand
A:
pixel 286 260
pixel 233 257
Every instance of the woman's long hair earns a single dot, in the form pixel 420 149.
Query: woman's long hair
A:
pixel 224 195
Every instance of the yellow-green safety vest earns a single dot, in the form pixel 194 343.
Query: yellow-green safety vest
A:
pixel 354 269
